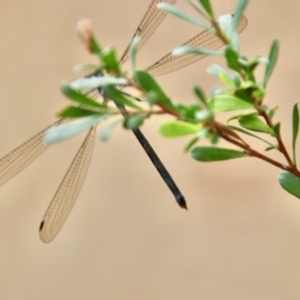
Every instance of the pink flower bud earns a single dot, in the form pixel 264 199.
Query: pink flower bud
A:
pixel 84 32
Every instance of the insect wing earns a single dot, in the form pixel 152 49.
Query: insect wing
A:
pixel 205 39
pixel 150 21
pixel 67 193
pixel 19 158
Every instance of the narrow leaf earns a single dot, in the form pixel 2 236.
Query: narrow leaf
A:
pixel 85 68
pixel 178 128
pixel 276 129
pixel 232 58
pixel 226 24
pixel 76 96
pixel 91 83
pixel 272 112
pixel 183 50
pixel 215 70
pixel 175 11
pixel 76 112
pixel 132 52
pixel 273 55
pixel 223 103
pixel 238 12
pixel 206 154
pixel 253 122
pixel 290 183
pixel 106 132
pixel 110 59
pixel 148 83
pixel 229 81
pixel 244 94
pixel 95 46
pixel 133 122
pixel 251 134
pixel 200 95
pixel 271 148
pixel 295 129
pixel 116 95
pixel 190 144
pixel 65 131
pixel 207 7
pixel 222 74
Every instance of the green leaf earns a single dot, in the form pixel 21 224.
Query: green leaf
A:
pixel 216 71
pixel 106 132
pixel 290 183
pixel 237 81
pixel 148 83
pixel 214 138
pixel 228 27
pixel 250 66
pixel 65 131
pixel 95 82
pixel 188 112
pixel 222 74
pixel 178 128
pixel 238 12
pixel 229 81
pixel 76 112
pixel 232 58
pixel 223 103
pixel 295 129
pixel 263 108
pixel 133 121
pixel 183 50
pixel 203 115
pixel 85 68
pixel 119 97
pixel 215 91
pixel 204 133
pixel 200 95
pixel 253 122
pixel 244 94
pixel 133 50
pixel 152 98
pixel 251 134
pixel 271 148
pixel 110 59
pixel 190 144
pixel 276 129
pixel 175 11
pixel 78 97
pixel 272 112
pixel 236 117
pixel 206 154
pixel 273 55
pixel 259 93
pixel 207 7
pixel 95 46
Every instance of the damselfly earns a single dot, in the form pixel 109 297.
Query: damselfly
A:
pixel 67 193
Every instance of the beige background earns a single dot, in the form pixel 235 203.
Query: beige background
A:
pixel 126 238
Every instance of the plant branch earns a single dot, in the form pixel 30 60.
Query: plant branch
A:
pixel 254 153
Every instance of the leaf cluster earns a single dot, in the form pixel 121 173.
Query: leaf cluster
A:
pixel 242 95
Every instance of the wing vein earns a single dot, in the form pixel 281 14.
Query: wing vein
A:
pixel 67 193
pixel 22 156
pixel 150 21
pixel 204 39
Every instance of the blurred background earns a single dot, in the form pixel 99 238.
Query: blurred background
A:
pixel 126 238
